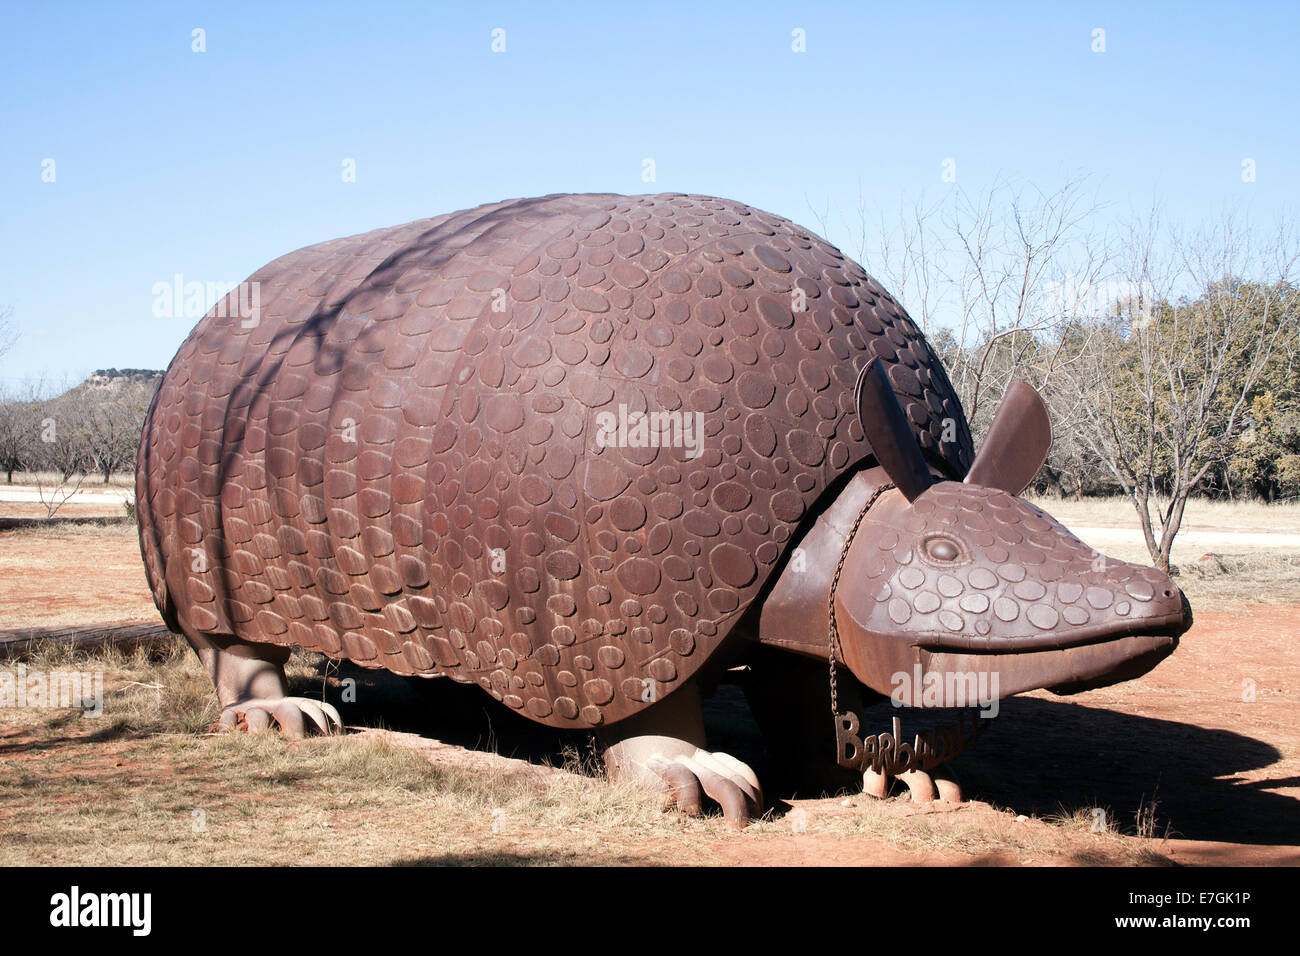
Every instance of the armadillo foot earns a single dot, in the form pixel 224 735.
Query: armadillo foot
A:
pixel 256 715
pixel 730 783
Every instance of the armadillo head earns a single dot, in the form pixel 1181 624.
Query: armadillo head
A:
pixel 948 587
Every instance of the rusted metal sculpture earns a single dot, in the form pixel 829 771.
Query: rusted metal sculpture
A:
pixel 586 451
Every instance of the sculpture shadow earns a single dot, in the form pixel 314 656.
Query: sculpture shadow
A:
pixel 445 710
pixel 1059 757
pixel 1039 757
pixel 499 858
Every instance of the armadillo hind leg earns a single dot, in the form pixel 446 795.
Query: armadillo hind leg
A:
pixel 252 690
pixel 663 748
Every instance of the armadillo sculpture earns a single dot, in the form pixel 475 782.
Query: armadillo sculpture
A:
pixel 565 448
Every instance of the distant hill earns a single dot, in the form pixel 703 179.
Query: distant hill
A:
pixel 115 378
pixel 101 385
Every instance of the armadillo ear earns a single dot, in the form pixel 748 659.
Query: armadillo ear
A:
pixel 1017 442
pixel 890 434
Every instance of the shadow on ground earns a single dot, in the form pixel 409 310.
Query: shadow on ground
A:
pixel 495 858
pixel 454 713
pixel 1038 757
pixel 1044 755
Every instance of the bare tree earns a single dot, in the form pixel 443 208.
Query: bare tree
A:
pixel 18 431
pixel 60 446
pixel 1171 378
pixel 111 424
pixel 1000 283
pixel 1148 346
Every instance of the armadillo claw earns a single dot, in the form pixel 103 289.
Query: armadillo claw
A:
pixel 683 787
pixel 731 784
pixel 947 785
pixel 924 787
pixel 921 786
pixel 288 713
pixel 743 772
pixel 875 784
pixel 257 720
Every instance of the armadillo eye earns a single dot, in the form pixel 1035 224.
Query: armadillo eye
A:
pixel 941 549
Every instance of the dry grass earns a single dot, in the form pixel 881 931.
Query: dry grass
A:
pixel 148 773
pixel 976 831
pixel 1256 570
pixel 120 481
pixel 1229 580
pixel 167 792
pixel 254 799
pixel 1237 579
pixel 1201 514
pixel 53 535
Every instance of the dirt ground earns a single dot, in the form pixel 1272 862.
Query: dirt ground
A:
pixel 1197 762
pixel 1211 735
pixel 38 568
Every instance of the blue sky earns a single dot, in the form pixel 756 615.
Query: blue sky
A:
pixel 210 164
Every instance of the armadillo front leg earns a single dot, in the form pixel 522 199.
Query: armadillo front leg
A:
pixel 252 690
pixel 663 747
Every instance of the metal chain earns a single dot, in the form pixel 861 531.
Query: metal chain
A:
pixel 835 583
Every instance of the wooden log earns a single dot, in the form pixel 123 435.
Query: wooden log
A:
pixel 20 643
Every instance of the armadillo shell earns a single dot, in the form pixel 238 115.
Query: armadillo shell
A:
pixel 397 461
